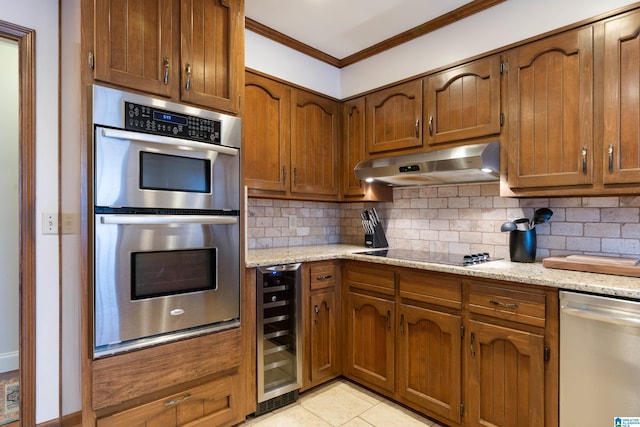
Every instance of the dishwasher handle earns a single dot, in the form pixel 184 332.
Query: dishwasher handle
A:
pixel 621 318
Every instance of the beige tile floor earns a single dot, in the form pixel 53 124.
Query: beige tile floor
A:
pixel 340 403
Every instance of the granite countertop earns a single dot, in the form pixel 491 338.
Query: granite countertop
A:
pixel 532 273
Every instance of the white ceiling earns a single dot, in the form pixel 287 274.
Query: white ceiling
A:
pixel 341 28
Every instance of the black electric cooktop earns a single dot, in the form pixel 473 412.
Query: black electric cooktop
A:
pixel 432 257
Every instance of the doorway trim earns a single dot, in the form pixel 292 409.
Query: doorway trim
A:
pixel 25 37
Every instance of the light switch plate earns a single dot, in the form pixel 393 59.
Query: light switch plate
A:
pixel 49 223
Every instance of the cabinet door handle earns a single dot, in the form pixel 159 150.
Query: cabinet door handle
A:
pixel 473 340
pixel 187 85
pixel 316 310
pixel 166 70
pixel 610 151
pixel 284 174
pixel 430 125
pixel 584 160
pixel 388 320
pixel 402 324
pixel 177 401
pixel 325 277
pixel 295 176
pixel 503 304
pixel 417 128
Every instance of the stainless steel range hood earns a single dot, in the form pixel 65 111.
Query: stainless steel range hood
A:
pixel 465 164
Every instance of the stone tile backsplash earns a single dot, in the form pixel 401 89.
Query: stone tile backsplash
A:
pixel 464 218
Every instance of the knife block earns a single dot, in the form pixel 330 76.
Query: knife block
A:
pixel 377 239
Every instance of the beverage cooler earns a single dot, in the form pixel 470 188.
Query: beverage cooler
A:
pixel 279 364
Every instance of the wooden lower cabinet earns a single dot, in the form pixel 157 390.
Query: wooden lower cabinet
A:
pixel 324 337
pixel 370 340
pixel 212 404
pixel 322 307
pixel 429 364
pixel 464 351
pixel 369 314
pixel 505 385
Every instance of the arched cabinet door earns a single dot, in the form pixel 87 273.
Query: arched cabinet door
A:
pixel 463 102
pixel 265 128
pixel 429 362
pixel 621 140
pixel 550 111
pixel 394 118
pixel 506 379
pixel 314 144
pixel 370 340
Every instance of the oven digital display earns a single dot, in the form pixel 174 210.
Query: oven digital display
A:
pixel 174 173
pixel 169 118
pixel 156 274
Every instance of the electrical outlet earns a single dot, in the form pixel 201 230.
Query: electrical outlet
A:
pixel 49 223
pixel 293 221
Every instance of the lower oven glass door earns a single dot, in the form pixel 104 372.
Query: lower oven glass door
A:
pixel 161 277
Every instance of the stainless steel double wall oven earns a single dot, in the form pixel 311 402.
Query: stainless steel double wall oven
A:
pixel 166 224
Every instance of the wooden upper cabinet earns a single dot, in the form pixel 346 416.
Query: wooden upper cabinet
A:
pixel 186 50
pixel 621 139
pixel 133 44
pixel 463 102
pixel 314 144
pixel 353 143
pixel 393 118
pixel 211 50
pixel 266 127
pixel 550 111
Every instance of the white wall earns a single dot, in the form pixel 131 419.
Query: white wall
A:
pixel 70 148
pixel 277 60
pixel 501 25
pixel 9 236
pixel 42 16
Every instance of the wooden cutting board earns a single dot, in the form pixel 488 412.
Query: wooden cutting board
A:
pixel 595 264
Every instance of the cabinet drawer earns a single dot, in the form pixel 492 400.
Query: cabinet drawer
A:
pixel 213 403
pixel 369 277
pixel 509 304
pixel 322 275
pixel 431 288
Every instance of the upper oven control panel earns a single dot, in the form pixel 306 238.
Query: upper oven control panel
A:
pixel 138 117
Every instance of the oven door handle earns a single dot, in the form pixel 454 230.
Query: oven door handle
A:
pixel 168 219
pixel 175 142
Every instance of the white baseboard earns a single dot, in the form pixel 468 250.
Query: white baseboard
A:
pixel 9 361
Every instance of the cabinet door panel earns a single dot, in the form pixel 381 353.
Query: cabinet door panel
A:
pixel 506 377
pixel 622 100
pixel 463 102
pixel 394 118
pixel 314 144
pixel 550 84
pixel 429 348
pixel 324 336
pixel 132 40
pixel 211 53
pixel 266 133
pixel 353 138
pixel 370 340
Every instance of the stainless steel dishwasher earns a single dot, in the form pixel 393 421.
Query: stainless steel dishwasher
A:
pixel 599 361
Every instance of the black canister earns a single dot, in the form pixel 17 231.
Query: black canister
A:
pixel 522 245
